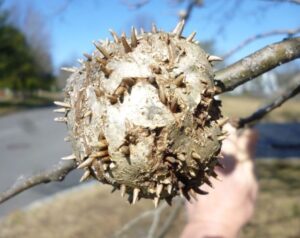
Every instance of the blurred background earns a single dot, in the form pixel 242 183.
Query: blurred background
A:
pixel 37 38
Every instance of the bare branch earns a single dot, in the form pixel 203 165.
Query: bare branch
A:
pixel 185 14
pixel 62 8
pixel 57 173
pixel 284 1
pixel 263 111
pixel 154 212
pixel 289 32
pixel 155 223
pixel 169 221
pixel 136 5
pixel 228 15
pixel 256 64
pixel 134 221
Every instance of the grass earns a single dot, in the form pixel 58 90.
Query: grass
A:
pixel 242 106
pixel 95 212
pixel 278 207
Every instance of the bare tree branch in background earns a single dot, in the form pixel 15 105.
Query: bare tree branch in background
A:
pixel 63 7
pixel 155 222
pixel 137 219
pixel 228 15
pixel 256 64
pixel 284 1
pixel 186 13
pixel 289 32
pixel 292 91
pixel 154 230
pixel 226 10
pixel 55 174
pixel 170 219
pixel 34 26
pixel 135 5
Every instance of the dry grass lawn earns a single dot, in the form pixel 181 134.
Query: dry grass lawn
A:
pixel 235 107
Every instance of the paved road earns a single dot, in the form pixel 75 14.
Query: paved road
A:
pixel 31 141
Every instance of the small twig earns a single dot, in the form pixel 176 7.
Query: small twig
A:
pixel 155 222
pixel 62 8
pixel 131 223
pixel 186 14
pixel 57 173
pixel 171 218
pixel 256 64
pixel 136 5
pixel 143 215
pixel 289 32
pixel 284 1
pixel 263 111
pixel 228 15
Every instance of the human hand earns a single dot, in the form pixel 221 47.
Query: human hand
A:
pixel 230 204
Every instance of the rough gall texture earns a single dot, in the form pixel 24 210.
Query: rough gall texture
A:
pixel 142 117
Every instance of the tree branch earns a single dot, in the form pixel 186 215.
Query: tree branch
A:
pixel 186 14
pixel 284 1
pixel 263 111
pixel 154 212
pixel 136 5
pixel 289 32
pixel 57 173
pixel 171 218
pixel 256 64
pixel 155 223
pixel 62 8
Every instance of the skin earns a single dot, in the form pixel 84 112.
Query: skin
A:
pixel 230 204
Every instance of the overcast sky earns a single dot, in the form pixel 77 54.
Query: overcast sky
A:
pixel 74 24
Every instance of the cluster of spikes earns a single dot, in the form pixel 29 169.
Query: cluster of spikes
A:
pixel 113 139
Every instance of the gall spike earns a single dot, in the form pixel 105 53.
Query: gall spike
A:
pixel 214 58
pixel 85 176
pixel 115 36
pixel 133 37
pixel 102 50
pixel 179 28
pixel 125 44
pixel 69 70
pixel 136 192
pixel 86 163
pixel 123 190
pixel 69 157
pixel 191 37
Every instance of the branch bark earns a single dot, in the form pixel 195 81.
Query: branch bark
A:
pixel 57 173
pixel 256 64
pixel 263 111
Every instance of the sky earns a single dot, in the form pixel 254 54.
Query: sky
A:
pixel 74 24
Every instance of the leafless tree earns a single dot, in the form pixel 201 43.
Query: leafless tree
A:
pixel 34 27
